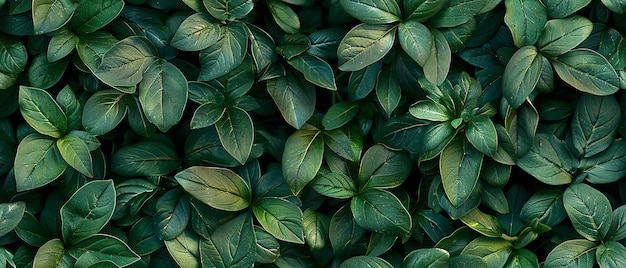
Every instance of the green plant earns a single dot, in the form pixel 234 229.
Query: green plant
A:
pixel 301 133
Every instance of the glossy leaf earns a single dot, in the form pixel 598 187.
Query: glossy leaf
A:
pixel 226 53
pixel 76 153
pixel 236 133
pixel 382 212
pixel 42 112
pixel 589 210
pixel 340 114
pixel 493 251
pixel 578 252
pixel 545 205
pixel 284 16
pixel 430 110
pixel 145 158
pixel 587 71
pixel 315 70
pixel 422 10
pixel 611 254
pixel 228 9
pixel 368 261
pixel 123 64
pixel 302 158
pixel 561 9
pixel 13 55
pixel 521 75
pixel 196 32
pixel 437 65
pixel 416 40
pixel 52 254
pixel 483 223
pixel 87 211
pixel 561 35
pixel 163 94
pixel 280 218
pixel 595 124
pixel 388 91
pixel 37 162
pixel 549 161
pixel 294 97
pixel 459 166
pixel 172 215
pixel 382 168
pixel 427 257
pixel 105 247
pixel 185 249
pixel 92 15
pixel 217 187
pixel 607 166
pixel 104 110
pixel 526 20
pixel 373 11
pixel 334 185
pixel 219 250
pixel 482 134
pixel 10 216
pixel 364 45
pixel 50 15
pixel 61 44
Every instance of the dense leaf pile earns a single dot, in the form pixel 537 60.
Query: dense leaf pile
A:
pixel 302 133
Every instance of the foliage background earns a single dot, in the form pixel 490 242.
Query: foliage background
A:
pixel 301 133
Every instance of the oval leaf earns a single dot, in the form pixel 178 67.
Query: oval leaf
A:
pixel 228 9
pixel 302 158
pixel 587 71
pixel 92 15
pixel 104 110
pixel 13 56
pixel 459 166
pixel 294 97
pixel 10 216
pixel 105 247
pixel 163 94
pixel 196 32
pixel 226 54
pixel 372 11
pixel 561 35
pixel 37 162
pixel 233 244
pixel 87 211
pixel 416 40
pixel 595 124
pixel 572 253
pixel 521 75
pixel 315 70
pixel 281 218
pixel 217 187
pixel 525 19
pixel 549 161
pixel 383 168
pixel 76 153
pixel 236 133
pixel 334 185
pixel 382 212
pixel 589 210
pixel 364 45
pixel 42 112
pixel 427 257
pixel 145 158
pixel 50 15
pixel 482 134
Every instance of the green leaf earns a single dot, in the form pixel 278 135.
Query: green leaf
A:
pixel 521 125
pixel 459 166
pixel 284 16
pixel 611 254
pixel 226 54
pixel 340 114
pixel 291 45
pixel 594 124
pixel 483 223
pixel 44 74
pixel 362 82
pixel 427 258
pixel 142 237
pixel 521 75
pixel 268 247
pixel 69 103
pixel 163 94
pixel 381 211
pixel 561 35
pixel 315 70
pixel 618 224
pixel 228 9
pixel 416 40
pixel 429 110
pixel 217 187
pixel 87 211
pixel 372 11
pixel 315 229
pixel 37 162
pixel 172 215
pixel 437 65
pixel 522 258
pixel 92 15
pixel 587 71
pixel 13 55
pixel 124 64
pixel 589 210
pixel 482 134
pixel 526 20
pixel 42 112
pixel 10 216
pixel 458 12
pixel 233 244
pixel 76 153
pixel 61 44
pixel 561 9
pixel 364 45
pixel 435 137
pixel 236 133
pixel 494 251
pixel 262 47
pixel 104 110
pixel 92 47
pixel 616 6
pixel 280 218
pixel 50 15
pixel 383 168
pixel 145 158
pixel 185 249
pixel 388 91
pixel 607 166
pixel 549 161
pixel 206 115
pixel 545 205
pixel 302 158
pixel 344 233
pixel 105 247
pixel 365 261
pixel 197 32
pixel 52 255
pixel 31 231
pixel 422 10
pixel 572 253
pixel 294 97
pixel 335 185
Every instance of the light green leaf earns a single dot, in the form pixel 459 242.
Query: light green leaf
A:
pixel 335 185
pixel 563 8
pixel 427 258
pixel 92 15
pixel 69 103
pixel 383 168
pixel 611 254
pixel 521 75
pixel 483 223
pixel 589 210
pixel 365 261
pixel 13 55
pixel 217 187
pixel 61 44
pixel 482 134
pixel 372 11
pixel 315 70
pixel 233 244
pixel 416 40
pixel 549 161
pixel 522 258
pixel 76 153
pixel 561 35
pixel 437 65
pixel 422 10
pixel 226 54
pixel 105 247
pixel 587 71
pixel 302 158
pixel 124 64
pixel 284 16
pixel 315 226
pixel 494 251
pixel 197 32
pixel 228 9
pixel 10 216
pixel 525 19
pixel 280 218
pixel 145 158
pixel 381 211
pixel 185 249
pixel 42 112
pixel 459 166
pixel 163 94
pixel 172 214
pixel 364 45
pixel 52 255
pixel 236 133
pixel 572 253
pixel 104 110
pixel 429 110
pixel 50 15
pixel 594 124
pixel 37 162
pixel 458 12
pixel 87 211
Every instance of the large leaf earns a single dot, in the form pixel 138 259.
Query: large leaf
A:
pixel 236 133
pixel 561 35
pixel 228 9
pixel 611 254
pixel 459 165
pixel 145 158
pixel 561 9
pixel 163 94
pixel 52 255
pixel 123 64
pixel 525 19
pixel 13 55
pixel 549 161
pixel 104 110
pixel 196 32
pixel 233 244
pixel 422 10
pixel 226 53
pixel 302 158
pixel 217 187
pixel 172 215
pixel 545 205
pixel 105 247
pixel 37 162
pixel 416 40
pixel 76 153
pixel 587 71
pixel 607 166
pixel 589 210
pixel 595 124
pixel 383 168
pixel 42 112
pixel 50 15
pixel 372 11
pixel 281 218
pixel 92 15
pixel 572 253
pixel 10 216
pixel 294 97
pixel 315 70
pixel 427 257
pixel 364 45
pixel 437 65
pixel 482 134
pixel 365 261
pixel 382 212
pixel 185 249
pixel 483 223
pixel 494 251
pixel 430 110
pixel 87 210
pixel 521 75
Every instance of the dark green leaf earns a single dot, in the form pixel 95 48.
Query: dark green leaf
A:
pixel 595 124
pixel 315 70
pixel 364 45
pixel 334 185
pixel 228 9
pixel 92 15
pixel 294 97
pixel 576 253
pixel 549 161
pixel 363 81
pixel 611 254
pixel 616 6
pixel 416 40
pixel 521 75
pixel 422 10
pixel 302 158
pixel 607 166
pixel 545 205
pixel 388 91
pixel 163 94
pixel 42 112
pixel 237 82
pixel 105 247
pixel 142 238
pixel 587 71
pixel 437 65
pixel 226 54
pixel 521 125
pixel 196 32
pixel 427 258
pixel 435 137
pixel 459 166
pixel 365 261
pixel 383 168
pixel 37 162
pixel 217 187
pixel 561 9
pixel 145 158
pixel 280 218
pixel 483 223
pixel 589 210
pixel 13 55
pixel 373 11
pixel 172 215
pixel 315 229
pixel 76 153
pixel 206 115
pixel 104 110
pixel 324 42
pixel 494 251
pixel 10 216
pixel 284 16
pixel 236 133
pixel 525 19
pixel 345 234
pixel 31 231
pixel 44 74
pixel 382 212
pixel 435 225
pixel 61 44
pixel 561 35
pixel 458 12
pixel 262 47
pixel 268 247
pixel 340 114
pixel 124 64
pixel 50 15
pixel 219 251
pixel 481 133
pixel 87 211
